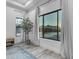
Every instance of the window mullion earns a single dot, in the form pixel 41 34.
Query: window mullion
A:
pixel 57 25
pixel 43 28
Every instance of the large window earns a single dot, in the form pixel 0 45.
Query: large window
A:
pixel 50 25
pixel 18 26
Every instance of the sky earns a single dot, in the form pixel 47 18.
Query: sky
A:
pixel 18 20
pixel 50 19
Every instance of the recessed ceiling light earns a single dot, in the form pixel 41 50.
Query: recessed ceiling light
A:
pixel 28 2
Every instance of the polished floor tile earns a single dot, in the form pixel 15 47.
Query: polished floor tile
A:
pixel 34 51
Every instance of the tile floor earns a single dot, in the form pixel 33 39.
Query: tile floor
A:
pixel 38 52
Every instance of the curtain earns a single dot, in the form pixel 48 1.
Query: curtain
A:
pixel 37 26
pixel 67 28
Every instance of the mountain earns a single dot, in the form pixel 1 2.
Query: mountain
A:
pixel 49 28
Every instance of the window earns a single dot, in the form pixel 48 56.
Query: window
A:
pixel 18 26
pixel 50 25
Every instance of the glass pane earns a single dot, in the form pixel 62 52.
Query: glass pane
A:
pixel 59 24
pixel 18 25
pixel 50 26
pixel 40 26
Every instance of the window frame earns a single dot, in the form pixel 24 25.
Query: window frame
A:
pixel 57 23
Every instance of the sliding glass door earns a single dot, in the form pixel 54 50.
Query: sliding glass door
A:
pixel 50 25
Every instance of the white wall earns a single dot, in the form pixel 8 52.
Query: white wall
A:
pixel 51 45
pixel 11 22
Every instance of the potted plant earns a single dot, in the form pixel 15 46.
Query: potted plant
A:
pixel 27 26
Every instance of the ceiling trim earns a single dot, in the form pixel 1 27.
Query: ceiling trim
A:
pixel 15 5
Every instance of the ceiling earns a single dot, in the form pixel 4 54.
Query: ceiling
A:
pixel 25 5
pixel 21 1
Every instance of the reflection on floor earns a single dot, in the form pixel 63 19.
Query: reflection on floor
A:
pixel 38 52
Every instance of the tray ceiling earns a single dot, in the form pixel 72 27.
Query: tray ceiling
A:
pixel 23 2
pixel 25 5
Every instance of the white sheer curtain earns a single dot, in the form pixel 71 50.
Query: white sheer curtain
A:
pixel 37 26
pixel 67 28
